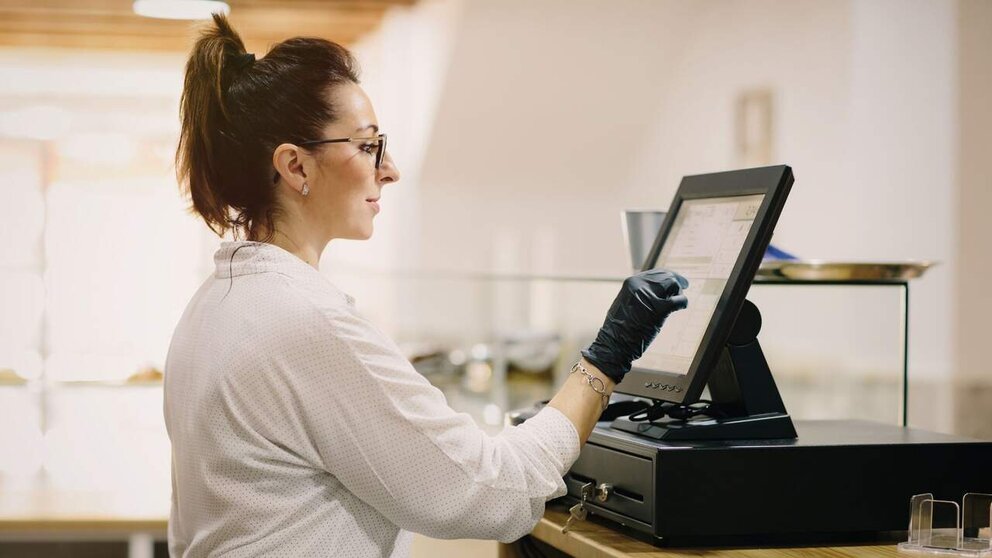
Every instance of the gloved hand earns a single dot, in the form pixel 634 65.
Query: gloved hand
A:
pixel 634 319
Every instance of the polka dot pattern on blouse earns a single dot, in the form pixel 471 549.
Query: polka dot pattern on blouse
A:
pixel 299 429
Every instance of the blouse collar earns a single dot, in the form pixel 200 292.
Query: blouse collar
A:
pixel 245 257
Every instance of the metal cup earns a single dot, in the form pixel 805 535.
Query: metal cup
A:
pixel 640 227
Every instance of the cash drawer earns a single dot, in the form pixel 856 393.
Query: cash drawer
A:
pixel 631 477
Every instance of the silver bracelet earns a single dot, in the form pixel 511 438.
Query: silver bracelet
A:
pixel 595 383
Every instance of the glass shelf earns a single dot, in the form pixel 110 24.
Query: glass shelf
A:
pixel 838 349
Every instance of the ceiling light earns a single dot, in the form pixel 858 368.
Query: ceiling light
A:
pixel 180 9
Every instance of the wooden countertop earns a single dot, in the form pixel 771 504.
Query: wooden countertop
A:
pixel 99 514
pixel 48 510
pixel 588 539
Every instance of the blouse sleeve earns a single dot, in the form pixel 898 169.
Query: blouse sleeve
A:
pixel 390 438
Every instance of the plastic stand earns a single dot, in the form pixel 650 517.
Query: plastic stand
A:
pixel 743 394
pixel 943 527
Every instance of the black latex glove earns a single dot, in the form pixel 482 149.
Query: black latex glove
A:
pixel 634 319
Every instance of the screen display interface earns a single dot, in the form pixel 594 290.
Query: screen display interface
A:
pixel 703 245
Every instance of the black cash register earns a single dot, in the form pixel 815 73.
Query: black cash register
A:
pixel 733 466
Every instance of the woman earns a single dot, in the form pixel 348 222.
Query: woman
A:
pixel 298 428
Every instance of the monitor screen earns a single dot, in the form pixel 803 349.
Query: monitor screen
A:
pixel 717 228
pixel 703 245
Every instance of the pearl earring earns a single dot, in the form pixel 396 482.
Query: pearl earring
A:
pixel 306 189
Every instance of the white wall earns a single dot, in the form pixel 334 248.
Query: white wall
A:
pixel 554 116
pixel 901 148
pixel 974 201
pixel 974 256
pixel 404 67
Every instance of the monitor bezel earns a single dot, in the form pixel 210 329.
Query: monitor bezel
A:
pixel 774 183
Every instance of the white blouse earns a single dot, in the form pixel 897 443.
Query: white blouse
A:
pixel 299 429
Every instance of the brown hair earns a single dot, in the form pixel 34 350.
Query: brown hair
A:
pixel 235 111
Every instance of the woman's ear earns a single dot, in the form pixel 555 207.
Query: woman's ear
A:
pixel 288 162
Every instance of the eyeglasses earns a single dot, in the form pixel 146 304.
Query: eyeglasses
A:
pixel 378 145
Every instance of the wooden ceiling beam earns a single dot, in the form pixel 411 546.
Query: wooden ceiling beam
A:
pixel 110 24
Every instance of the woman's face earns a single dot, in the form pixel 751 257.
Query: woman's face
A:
pixel 344 184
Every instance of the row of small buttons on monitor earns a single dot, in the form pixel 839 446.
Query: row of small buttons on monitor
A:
pixel 658 385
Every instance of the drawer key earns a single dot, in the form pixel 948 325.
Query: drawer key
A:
pixel 578 512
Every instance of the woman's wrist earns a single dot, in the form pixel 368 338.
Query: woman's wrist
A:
pixel 592 369
pixel 597 382
pixel 605 362
pixel 580 401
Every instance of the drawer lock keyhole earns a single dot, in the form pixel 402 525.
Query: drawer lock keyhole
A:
pixel 603 491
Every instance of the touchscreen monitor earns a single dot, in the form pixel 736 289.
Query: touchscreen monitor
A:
pixel 717 229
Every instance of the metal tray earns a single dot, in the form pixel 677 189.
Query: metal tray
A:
pixel 820 270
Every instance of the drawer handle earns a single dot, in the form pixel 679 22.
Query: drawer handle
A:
pixel 629 495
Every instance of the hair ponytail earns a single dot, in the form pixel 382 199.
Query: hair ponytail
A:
pixel 203 114
pixel 235 111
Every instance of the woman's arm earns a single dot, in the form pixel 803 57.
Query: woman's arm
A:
pixel 388 436
pixel 579 402
pixel 641 307
pixel 352 405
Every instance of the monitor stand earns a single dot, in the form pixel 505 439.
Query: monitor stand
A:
pixel 743 392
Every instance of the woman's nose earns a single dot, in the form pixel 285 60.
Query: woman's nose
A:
pixel 388 172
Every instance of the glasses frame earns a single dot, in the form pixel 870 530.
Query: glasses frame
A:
pixel 380 138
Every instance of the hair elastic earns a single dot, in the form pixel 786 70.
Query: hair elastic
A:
pixel 244 60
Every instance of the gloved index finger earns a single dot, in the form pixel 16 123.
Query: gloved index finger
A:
pixel 659 275
pixel 670 282
pixel 679 302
